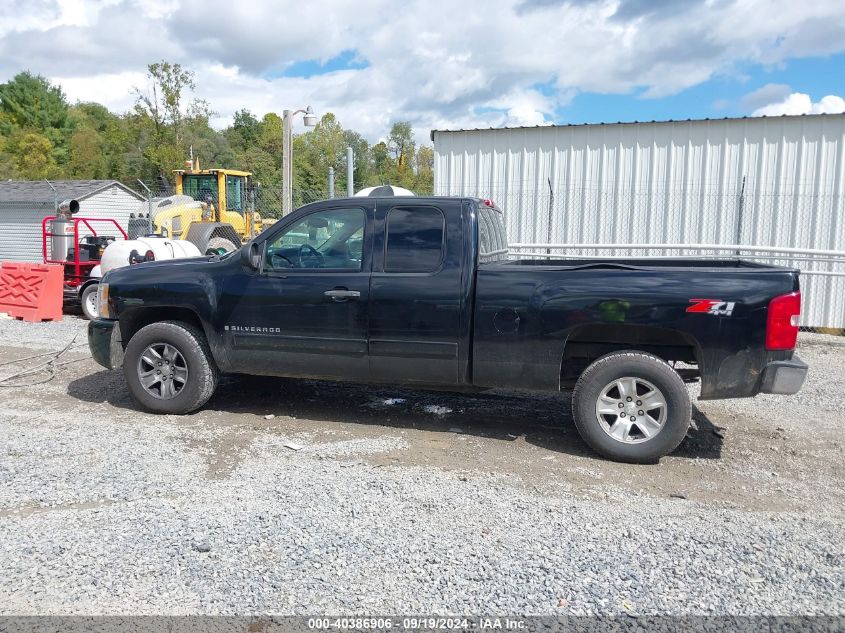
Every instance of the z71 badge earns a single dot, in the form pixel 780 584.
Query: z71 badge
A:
pixel 715 307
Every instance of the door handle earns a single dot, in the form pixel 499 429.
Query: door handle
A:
pixel 342 294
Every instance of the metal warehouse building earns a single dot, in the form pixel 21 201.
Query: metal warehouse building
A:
pixel 24 203
pixel 758 182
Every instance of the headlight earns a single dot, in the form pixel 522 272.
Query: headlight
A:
pixel 103 301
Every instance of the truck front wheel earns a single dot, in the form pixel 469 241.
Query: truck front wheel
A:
pixel 169 368
pixel 631 407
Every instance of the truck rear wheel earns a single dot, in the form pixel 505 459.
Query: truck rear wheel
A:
pixel 169 368
pixel 631 407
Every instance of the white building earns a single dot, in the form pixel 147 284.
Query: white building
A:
pixel 761 181
pixel 25 203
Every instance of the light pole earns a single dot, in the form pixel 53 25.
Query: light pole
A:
pixel 310 120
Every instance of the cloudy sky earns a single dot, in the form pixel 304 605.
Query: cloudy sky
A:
pixel 446 63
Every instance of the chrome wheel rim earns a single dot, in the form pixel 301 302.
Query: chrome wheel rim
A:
pixel 631 410
pixel 162 371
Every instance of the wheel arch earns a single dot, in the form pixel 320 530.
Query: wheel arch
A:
pixel 133 320
pixel 589 342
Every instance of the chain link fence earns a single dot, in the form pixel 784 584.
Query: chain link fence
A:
pixel 264 200
pixel 802 231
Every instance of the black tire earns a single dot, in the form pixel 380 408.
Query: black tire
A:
pixel 219 246
pixel 639 448
pixel 89 311
pixel 202 372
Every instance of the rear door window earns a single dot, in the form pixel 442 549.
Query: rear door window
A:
pixel 492 243
pixel 414 239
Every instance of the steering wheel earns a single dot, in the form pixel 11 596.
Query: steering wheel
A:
pixel 308 251
pixel 276 260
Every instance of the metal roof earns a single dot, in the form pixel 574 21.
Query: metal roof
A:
pixel 665 122
pixel 40 191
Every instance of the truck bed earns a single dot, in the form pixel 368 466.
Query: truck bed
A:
pixel 538 321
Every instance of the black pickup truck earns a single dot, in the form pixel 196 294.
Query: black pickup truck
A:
pixel 422 291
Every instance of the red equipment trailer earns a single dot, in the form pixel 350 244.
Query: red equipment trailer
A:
pixel 78 256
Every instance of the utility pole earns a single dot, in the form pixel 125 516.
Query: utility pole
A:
pixel 350 187
pixel 287 162
pixel 310 120
pixel 331 183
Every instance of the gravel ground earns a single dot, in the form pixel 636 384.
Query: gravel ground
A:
pixel 303 497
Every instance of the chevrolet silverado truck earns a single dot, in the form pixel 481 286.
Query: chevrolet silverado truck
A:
pixel 422 291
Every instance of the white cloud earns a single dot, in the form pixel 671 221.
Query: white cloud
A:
pixel 437 63
pixel 114 90
pixel 800 103
pixel 770 93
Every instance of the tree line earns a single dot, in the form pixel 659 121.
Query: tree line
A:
pixel 42 135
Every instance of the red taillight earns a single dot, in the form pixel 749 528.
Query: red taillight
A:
pixel 782 322
pixel 488 202
pixel 150 256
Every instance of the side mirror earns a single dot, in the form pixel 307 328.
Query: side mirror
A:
pixel 251 256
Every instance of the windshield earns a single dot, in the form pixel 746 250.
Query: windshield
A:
pixel 200 187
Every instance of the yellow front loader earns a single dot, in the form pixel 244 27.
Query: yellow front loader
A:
pixel 212 209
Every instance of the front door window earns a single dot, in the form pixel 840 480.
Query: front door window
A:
pixel 331 240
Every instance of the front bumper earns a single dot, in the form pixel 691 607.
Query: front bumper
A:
pixel 105 343
pixel 784 377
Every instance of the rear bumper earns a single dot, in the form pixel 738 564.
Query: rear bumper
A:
pixel 105 343
pixel 784 377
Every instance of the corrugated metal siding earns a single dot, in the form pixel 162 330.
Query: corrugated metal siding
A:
pixel 671 182
pixel 20 230
pixel 114 203
pixel 20 222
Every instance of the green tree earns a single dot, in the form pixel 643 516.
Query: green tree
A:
pixel 270 139
pixel 162 101
pixel 245 130
pixel 93 149
pixel 162 110
pixel 309 179
pixel 42 135
pixel 424 171
pixel 400 142
pixel 362 170
pixel 324 147
pixel 31 103
pixel 382 164
pixel 92 115
pixel 33 156
pixel 86 157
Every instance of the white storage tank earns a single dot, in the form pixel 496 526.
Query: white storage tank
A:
pixel 125 252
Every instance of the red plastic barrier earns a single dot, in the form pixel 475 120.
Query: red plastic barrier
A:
pixel 32 292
